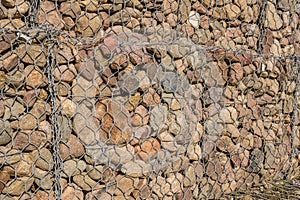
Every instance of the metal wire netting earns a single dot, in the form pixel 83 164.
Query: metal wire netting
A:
pixel 152 99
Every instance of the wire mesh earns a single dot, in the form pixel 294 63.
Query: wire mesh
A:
pixel 152 99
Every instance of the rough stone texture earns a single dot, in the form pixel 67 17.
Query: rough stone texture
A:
pixel 153 99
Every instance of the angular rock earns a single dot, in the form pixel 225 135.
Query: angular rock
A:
pixel 73 148
pixel 29 140
pixel 48 14
pixel 43 179
pixel 73 167
pixel 158 117
pixel 273 20
pixel 71 193
pixel 4 178
pixel 18 186
pixel 136 168
pixel 45 159
pixel 71 9
pixel 86 183
pixel 5 132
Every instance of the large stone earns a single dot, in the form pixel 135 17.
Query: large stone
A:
pixel 73 148
pixel 184 10
pixel 110 155
pixel 73 167
pixel 48 14
pixel 4 178
pixel 158 117
pixel 64 52
pixel 43 179
pixel 10 61
pixel 65 73
pixel 71 9
pixel 29 140
pixel 89 24
pixel 68 107
pixel 83 89
pixel 114 121
pixel 44 159
pixel 28 122
pixel 273 20
pixel 71 192
pixel 6 40
pixel 5 132
pixel 86 183
pixel 18 186
pixel 136 168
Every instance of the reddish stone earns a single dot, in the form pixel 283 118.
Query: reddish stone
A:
pixel 151 98
pixel 72 148
pixel 148 149
pixel 29 140
pixel 109 45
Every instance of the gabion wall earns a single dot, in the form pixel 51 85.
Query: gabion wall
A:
pixel 151 99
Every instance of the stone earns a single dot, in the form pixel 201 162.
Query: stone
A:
pixel 86 183
pixel 175 180
pixel 18 186
pixel 4 178
pixel 129 83
pixel 179 49
pixel 158 117
pixel 44 159
pixel 9 3
pixel 114 120
pixel 228 115
pixel 71 9
pixel 17 79
pixel 65 127
pixel 273 20
pixel 28 122
pixel 136 168
pixel 20 10
pixel 89 24
pixel 68 107
pixel 140 116
pixel 73 148
pixel 73 167
pixel 10 61
pixel 64 52
pixel 2 108
pixel 232 11
pixel 148 149
pixel 71 192
pixel 184 10
pixel 194 19
pixel 82 89
pixel 43 179
pixel 169 6
pixel 29 140
pixel 5 132
pixel 189 179
pixel 35 78
pixel 173 83
pixel 110 155
pixel 12 23
pixel 48 14
pixel 213 75
pixel 6 40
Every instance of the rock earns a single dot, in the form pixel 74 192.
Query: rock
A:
pixel 189 179
pixel 136 168
pixel 86 183
pixel 18 186
pixel 179 49
pixel 28 122
pixel 125 184
pixel 10 61
pixel 43 179
pixel 213 75
pixel 140 116
pixel 44 159
pixel 83 89
pixel 65 127
pixel 194 19
pixel 184 10
pixel 73 167
pixel 20 10
pixel 115 121
pixel 6 40
pixel 64 52
pixel 173 83
pixel 17 79
pixel 228 115
pixel 169 6
pixel 158 117
pixel 232 11
pixel 29 140
pixel 5 132
pixel 175 180
pixel 110 155
pixel 151 98
pixel 89 24
pixel 72 148
pixel 129 83
pixel 68 107
pixel 9 3
pixel 225 144
pixel 273 20
pixel 201 36
pixel 12 23
pixel 148 149
pixel 35 78
pixel 16 108
pixel 71 9
pixel 48 14
pixel 71 193
pixel 86 69
pixel 4 178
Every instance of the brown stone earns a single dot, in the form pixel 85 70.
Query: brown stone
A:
pixel 89 24
pixel 28 122
pixel 71 193
pixel 151 98
pixel 114 121
pixel 169 6
pixel 29 140
pixel 71 9
pixel 10 61
pixel 18 186
pixel 35 78
pixel 6 40
pixel 110 44
pixel 225 144
pixel 140 116
pixel 273 20
pixel 148 149
pixel 48 14
pixel 4 178
pixel 73 148
pixel 65 73
pixel 86 183
pixel 232 11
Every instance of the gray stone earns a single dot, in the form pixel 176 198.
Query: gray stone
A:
pixel 65 127
pixel 137 168
pixel 174 83
pixel 158 117
pixel 110 154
